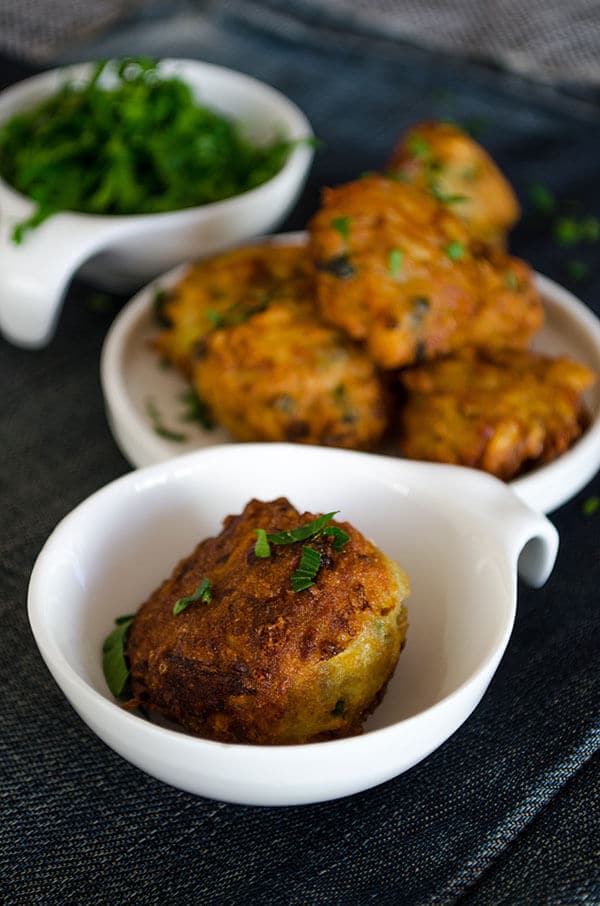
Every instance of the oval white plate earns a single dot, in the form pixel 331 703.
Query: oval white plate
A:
pixel 105 558
pixel 132 378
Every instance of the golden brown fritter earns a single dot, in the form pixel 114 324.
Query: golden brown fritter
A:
pixel 510 311
pixel 501 411
pixel 397 270
pixel 261 663
pixel 444 160
pixel 226 290
pixel 283 375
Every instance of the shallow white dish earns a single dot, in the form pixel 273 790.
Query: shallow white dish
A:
pixel 122 252
pixel 458 533
pixel 132 377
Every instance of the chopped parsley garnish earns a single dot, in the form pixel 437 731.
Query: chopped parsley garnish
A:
pixel 455 250
pixel 310 562
pixel 578 270
pixel 445 197
pixel 114 662
pixel 215 317
pixel 511 281
pixel 566 231
pixel 197 410
pixel 541 198
pixel 341 537
pixel 339 708
pixel 570 230
pixel 309 566
pixel 568 225
pixel 590 229
pixel 203 593
pixel 129 141
pixel 240 312
pixel 418 146
pixel 590 505
pixel 342 225
pixel 340 396
pixel 340 266
pixel 397 175
pixel 159 428
pixel 395 262
pixel 303 532
pixel 161 297
pixel 262 548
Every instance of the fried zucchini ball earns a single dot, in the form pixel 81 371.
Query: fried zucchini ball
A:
pixel 284 375
pixel 227 289
pixel 444 160
pixel 397 270
pixel 502 411
pixel 257 662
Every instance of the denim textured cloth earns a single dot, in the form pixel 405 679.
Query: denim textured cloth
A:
pixel 506 810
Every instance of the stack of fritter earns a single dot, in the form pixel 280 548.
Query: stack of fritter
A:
pixel 247 330
pixel 405 285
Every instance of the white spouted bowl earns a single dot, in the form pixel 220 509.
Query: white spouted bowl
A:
pixel 123 252
pixel 461 536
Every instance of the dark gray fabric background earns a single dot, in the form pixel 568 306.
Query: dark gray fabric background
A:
pixel 548 39
pixel 506 811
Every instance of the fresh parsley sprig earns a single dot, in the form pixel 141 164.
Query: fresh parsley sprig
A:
pixel 342 226
pixel 303 532
pixel 203 593
pixel 309 566
pixel 262 548
pixel 114 662
pixel 310 561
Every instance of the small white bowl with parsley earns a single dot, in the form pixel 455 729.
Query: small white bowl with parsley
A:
pixel 130 167
pixel 460 536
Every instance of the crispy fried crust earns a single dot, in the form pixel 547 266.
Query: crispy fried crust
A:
pixel 261 663
pixel 501 411
pixel 510 311
pixel 246 330
pixel 397 270
pixel 283 375
pixel 227 289
pixel 441 158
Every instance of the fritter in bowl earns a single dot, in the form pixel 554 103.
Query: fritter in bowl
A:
pixel 397 270
pixel 253 660
pixel 283 375
pixel 226 290
pixel 510 310
pixel 502 411
pixel 442 159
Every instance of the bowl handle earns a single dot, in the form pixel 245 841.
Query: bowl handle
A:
pixel 35 274
pixel 533 541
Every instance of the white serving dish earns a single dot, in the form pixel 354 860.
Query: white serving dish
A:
pixel 122 252
pixel 459 534
pixel 131 376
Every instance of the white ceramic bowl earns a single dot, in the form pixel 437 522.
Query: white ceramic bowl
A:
pixel 131 376
pixel 122 252
pixel 459 535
